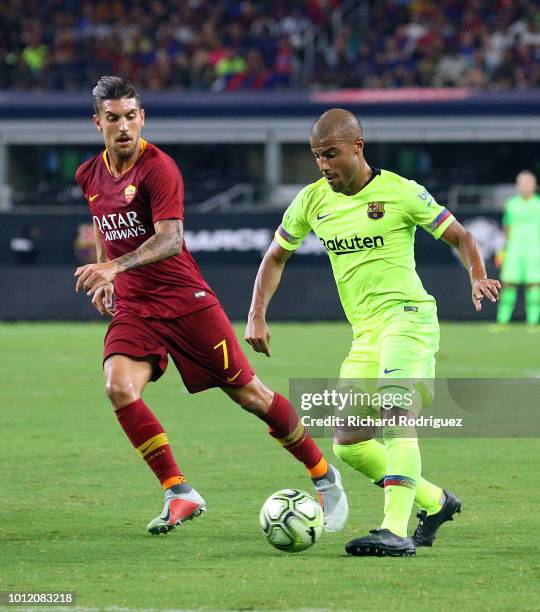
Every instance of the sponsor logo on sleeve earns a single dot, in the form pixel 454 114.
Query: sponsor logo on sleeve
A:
pixel 426 197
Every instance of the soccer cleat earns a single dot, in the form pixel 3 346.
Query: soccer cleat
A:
pixel 427 527
pixel 178 509
pixel 333 500
pixel 381 543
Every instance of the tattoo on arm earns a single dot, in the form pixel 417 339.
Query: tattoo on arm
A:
pixel 165 243
pixel 101 255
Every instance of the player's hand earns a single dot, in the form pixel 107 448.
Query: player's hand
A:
pixel 93 276
pixel 258 335
pixel 485 287
pixel 103 300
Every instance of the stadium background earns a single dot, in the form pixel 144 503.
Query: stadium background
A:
pixel 448 93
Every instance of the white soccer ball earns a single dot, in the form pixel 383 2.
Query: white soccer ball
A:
pixel 291 520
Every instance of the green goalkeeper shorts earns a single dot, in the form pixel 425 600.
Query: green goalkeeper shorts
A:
pixel 396 353
pixel 520 268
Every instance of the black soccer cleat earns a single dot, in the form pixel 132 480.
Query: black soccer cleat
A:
pixel 381 543
pixel 427 527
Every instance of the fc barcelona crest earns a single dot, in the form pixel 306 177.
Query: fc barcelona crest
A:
pixel 129 193
pixel 375 210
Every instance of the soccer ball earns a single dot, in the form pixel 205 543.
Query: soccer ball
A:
pixel 291 520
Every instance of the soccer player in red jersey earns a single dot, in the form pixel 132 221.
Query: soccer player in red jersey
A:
pixel 163 306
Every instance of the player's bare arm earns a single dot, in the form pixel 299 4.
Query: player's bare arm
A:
pixel 103 297
pixel 469 251
pixel 165 243
pixel 267 281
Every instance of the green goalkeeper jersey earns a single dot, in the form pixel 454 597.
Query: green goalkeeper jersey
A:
pixel 522 218
pixel 369 238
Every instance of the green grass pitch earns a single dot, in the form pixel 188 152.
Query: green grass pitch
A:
pixel 76 498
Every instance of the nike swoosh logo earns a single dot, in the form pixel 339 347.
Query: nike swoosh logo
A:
pixel 393 370
pixel 321 217
pixel 144 450
pixel 93 197
pixel 231 378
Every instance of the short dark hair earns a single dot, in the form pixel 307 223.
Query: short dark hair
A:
pixel 113 88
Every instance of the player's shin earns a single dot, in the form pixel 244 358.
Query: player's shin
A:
pixel 150 441
pixel 532 304
pixel 369 458
pixel 285 426
pixel 403 469
pixel 287 429
pixel 507 301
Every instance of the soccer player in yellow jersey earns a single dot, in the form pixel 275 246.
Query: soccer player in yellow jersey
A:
pixel 366 219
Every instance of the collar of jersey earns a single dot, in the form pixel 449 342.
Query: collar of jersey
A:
pixel 142 144
pixel 376 172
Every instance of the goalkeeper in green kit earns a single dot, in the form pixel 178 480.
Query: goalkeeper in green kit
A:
pixel 366 219
pixel 521 255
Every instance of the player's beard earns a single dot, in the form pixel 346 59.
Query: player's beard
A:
pixel 126 152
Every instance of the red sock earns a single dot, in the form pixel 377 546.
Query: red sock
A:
pixel 150 441
pixel 286 428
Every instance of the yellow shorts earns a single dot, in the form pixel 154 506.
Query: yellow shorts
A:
pixel 397 352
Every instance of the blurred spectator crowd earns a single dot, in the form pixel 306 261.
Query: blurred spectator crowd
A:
pixel 235 45
pixel 159 44
pixel 484 44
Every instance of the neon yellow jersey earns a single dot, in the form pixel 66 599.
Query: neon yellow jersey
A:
pixel 369 238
